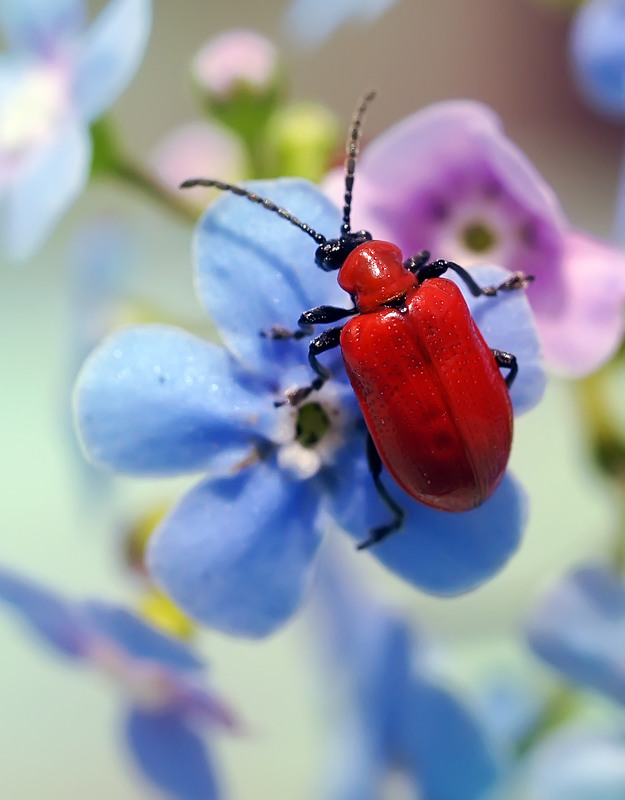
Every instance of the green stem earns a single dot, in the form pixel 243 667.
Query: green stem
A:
pixel 109 160
pixel 558 708
pixel 608 448
pixel 145 183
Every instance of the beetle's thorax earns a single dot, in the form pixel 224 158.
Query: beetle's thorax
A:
pixel 374 274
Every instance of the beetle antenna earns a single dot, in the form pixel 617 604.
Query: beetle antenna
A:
pixel 255 198
pixel 351 156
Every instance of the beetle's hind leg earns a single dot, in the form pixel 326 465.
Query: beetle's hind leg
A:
pixel 507 361
pixel 381 532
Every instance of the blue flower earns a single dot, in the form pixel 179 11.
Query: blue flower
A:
pixel 238 551
pixel 579 629
pixel 169 703
pixel 395 721
pixel 575 763
pixel 311 22
pixel 598 54
pixel 57 77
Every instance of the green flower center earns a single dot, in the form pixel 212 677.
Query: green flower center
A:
pixel 311 425
pixel 478 238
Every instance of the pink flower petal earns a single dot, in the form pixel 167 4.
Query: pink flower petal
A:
pixel 588 326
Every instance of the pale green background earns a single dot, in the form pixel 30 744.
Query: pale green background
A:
pixel 58 725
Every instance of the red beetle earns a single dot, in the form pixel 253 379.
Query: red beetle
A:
pixel 434 400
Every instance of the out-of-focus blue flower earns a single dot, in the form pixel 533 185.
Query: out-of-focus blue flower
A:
pixel 394 721
pixel 579 629
pixel 238 550
pixel 57 77
pixel 447 179
pixel 99 266
pixel 575 763
pixel 510 708
pixel 598 54
pixel 311 23
pixel 169 705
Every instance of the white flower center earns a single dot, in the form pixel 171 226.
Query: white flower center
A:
pixel 309 434
pixel 33 109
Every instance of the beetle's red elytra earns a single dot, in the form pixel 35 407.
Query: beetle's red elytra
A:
pixel 430 390
pixel 434 400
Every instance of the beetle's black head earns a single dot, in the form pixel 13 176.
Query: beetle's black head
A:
pixel 331 254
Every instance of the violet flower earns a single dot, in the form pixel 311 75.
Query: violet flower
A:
pixel 447 180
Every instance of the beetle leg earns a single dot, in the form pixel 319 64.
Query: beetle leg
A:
pixel 375 467
pixel 507 360
pixel 283 333
pixel 327 340
pixel 324 314
pixel 320 315
pixel 518 280
pixel 414 263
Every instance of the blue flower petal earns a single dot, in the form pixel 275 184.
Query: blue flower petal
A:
pixel 237 553
pixel 598 54
pixel 154 400
pixel 440 552
pixel 507 323
pixel 438 732
pixel 353 768
pixel 51 180
pixel 451 553
pixel 372 646
pixel 579 628
pixel 56 621
pixel 38 25
pixel 256 271
pixel 137 638
pixel 311 22
pixel 578 763
pixel 113 48
pixel 171 755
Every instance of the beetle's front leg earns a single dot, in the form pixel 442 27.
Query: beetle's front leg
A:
pixel 327 340
pixel 320 315
pixel 518 280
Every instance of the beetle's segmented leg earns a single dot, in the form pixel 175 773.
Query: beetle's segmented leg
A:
pixel 320 315
pixel 508 361
pixel 518 280
pixel 375 466
pixel 325 341
pixel 281 334
pixel 414 263
pixel 324 314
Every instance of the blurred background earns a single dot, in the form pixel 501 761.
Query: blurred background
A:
pixel 57 724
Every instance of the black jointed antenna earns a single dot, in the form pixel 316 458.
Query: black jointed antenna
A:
pixel 351 156
pixel 256 198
